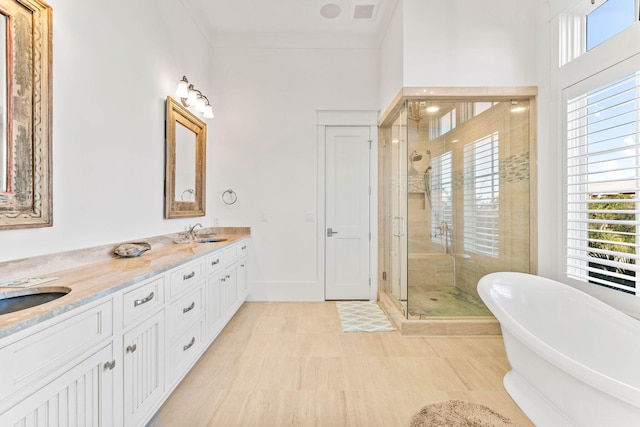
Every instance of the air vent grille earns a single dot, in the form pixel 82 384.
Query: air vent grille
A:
pixel 363 11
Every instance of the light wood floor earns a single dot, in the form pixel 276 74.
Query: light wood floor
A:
pixel 290 364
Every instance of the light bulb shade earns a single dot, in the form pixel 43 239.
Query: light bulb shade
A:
pixel 192 97
pixel 208 112
pixel 200 104
pixel 182 91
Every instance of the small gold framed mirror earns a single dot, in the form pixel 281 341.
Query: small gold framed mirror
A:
pixel 186 137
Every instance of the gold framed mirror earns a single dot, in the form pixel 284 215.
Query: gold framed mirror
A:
pixel 186 137
pixel 25 114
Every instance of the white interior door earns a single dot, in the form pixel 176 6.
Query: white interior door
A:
pixel 347 192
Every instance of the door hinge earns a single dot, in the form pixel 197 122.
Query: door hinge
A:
pixel 384 275
pixel 369 281
pixel 369 235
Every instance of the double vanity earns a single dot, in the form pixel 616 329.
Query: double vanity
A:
pixel 111 349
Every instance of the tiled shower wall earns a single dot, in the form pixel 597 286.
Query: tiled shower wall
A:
pixel 514 214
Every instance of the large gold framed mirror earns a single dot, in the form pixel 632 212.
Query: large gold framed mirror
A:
pixel 186 137
pixel 25 114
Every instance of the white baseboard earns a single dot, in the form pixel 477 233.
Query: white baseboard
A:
pixel 285 291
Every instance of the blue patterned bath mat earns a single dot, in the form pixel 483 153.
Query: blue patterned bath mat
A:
pixel 362 316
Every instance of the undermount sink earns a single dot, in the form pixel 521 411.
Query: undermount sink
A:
pixel 210 240
pixel 12 299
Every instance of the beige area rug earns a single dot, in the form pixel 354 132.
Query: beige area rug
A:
pixel 458 413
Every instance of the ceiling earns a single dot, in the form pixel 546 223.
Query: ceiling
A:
pixel 299 19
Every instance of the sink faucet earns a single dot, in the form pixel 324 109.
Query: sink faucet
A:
pixel 192 231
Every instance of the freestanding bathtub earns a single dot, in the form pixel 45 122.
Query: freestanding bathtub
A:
pixel 575 360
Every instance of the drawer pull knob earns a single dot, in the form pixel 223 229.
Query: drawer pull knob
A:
pixel 244 247
pixel 215 262
pixel 131 348
pixel 143 300
pixel 188 309
pixel 242 265
pixel 223 279
pixel 188 276
pixel 228 276
pixel 191 343
pixel 109 365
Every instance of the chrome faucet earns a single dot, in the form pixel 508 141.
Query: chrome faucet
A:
pixel 192 231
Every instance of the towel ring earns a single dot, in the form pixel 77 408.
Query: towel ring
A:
pixel 229 197
pixel 189 191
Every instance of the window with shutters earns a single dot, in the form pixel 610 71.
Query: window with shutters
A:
pixel 602 184
pixel 481 196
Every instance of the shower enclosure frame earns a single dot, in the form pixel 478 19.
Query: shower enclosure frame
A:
pixel 436 325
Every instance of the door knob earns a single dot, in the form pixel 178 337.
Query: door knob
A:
pixel 330 232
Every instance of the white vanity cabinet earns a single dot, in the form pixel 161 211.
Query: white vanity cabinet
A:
pixel 81 395
pixel 143 346
pixel 234 280
pixel 186 310
pixel 214 316
pixel 113 361
pixel 60 372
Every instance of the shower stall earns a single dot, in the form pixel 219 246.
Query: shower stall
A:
pixel 456 197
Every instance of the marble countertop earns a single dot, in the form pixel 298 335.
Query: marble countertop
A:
pixel 109 274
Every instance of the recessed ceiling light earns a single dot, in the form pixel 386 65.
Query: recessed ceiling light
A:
pixel 432 109
pixel 330 10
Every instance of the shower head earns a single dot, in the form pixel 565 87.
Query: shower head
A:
pixel 415 156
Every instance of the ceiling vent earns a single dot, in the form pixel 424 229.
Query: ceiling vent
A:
pixel 363 11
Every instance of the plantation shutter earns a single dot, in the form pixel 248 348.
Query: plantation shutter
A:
pixel 481 196
pixel 602 187
pixel 441 195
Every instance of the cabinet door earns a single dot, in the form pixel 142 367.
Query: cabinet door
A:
pixel 143 381
pixel 230 285
pixel 80 396
pixel 214 317
pixel 243 290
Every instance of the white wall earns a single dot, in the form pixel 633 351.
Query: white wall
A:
pixel 469 43
pixel 264 147
pixel 113 71
pixel 113 66
pixel 391 58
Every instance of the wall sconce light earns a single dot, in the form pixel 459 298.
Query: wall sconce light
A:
pixel 192 97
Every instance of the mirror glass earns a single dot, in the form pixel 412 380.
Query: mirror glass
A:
pixel 186 137
pixel 25 114
pixel 185 163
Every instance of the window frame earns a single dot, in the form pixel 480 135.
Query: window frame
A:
pixel 612 59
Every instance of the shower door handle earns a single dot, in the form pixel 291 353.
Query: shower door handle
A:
pixel 330 232
pixel 401 232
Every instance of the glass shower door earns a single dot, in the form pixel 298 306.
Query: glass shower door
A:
pixel 395 159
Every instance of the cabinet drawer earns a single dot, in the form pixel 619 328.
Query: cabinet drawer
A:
pixel 243 249
pixel 186 310
pixel 214 263
pixel 142 301
pixel 183 278
pixel 185 349
pixel 230 254
pixel 32 359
